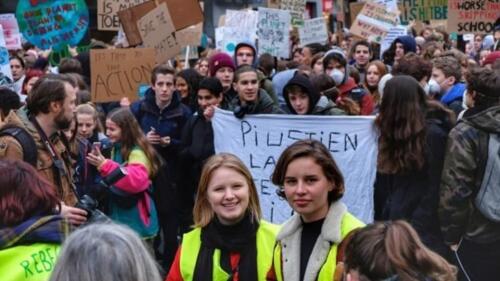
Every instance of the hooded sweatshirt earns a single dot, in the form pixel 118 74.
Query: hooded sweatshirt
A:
pixel 246 44
pixel 318 105
pixel 453 98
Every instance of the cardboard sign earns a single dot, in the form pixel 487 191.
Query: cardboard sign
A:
pixel 4 56
pixel 296 9
pixel 117 73
pixel 258 140
pixel 373 22
pixel 190 35
pixel 53 24
pixel 273 32
pixel 313 31
pixel 184 13
pixel 423 10
pixel 107 12
pixel 11 31
pixel 129 18
pixel 157 32
pixel 477 16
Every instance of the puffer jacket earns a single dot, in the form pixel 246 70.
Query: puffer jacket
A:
pixel 464 166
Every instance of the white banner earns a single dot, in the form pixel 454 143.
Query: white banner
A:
pixel 258 140
pixel 273 32
pixel 313 31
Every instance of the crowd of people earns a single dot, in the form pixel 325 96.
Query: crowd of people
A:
pixel 135 190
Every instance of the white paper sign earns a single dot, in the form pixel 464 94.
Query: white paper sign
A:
pixel 226 39
pixel 258 140
pixel 313 31
pixel 4 56
pixel 273 32
pixel 392 34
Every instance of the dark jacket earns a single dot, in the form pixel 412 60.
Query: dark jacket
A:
pixel 166 122
pixel 413 196
pixel 464 166
pixel 264 105
pixel 318 105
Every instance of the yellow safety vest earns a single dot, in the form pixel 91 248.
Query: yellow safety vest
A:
pixel 28 262
pixel 327 271
pixel 191 244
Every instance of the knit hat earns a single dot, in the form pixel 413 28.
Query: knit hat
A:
pixel 409 43
pixel 211 84
pixel 218 61
pixel 491 58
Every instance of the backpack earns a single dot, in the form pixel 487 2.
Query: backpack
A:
pixel 488 198
pixel 25 140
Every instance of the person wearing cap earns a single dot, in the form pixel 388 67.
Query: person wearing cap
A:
pixel 474 238
pixel 198 143
pixel 335 65
pixel 222 67
pixel 302 98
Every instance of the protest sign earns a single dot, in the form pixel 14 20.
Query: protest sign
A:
pixel 313 31
pixel 391 5
pixel 190 35
pixel 129 18
pixel 157 32
pixel 423 10
pixel 117 73
pixel 476 16
pixel 258 140
pixel 11 31
pixel 273 4
pixel 296 9
pixel 4 56
pixel 53 24
pixel 184 13
pixel 373 22
pixel 107 12
pixel 273 32
pixel 393 33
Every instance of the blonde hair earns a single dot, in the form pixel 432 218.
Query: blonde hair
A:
pixel 89 109
pixel 202 211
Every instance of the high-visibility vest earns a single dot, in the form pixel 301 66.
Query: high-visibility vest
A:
pixel 327 271
pixel 33 262
pixel 191 244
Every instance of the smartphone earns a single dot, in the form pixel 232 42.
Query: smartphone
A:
pixel 96 146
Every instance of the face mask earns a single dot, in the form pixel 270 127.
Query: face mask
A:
pixel 427 89
pixel 434 87
pixel 337 76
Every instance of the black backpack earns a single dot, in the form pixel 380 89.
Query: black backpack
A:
pixel 25 140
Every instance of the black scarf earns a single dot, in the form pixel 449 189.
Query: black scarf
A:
pixel 240 238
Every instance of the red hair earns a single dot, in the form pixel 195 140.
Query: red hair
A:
pixel 24 193
pixel 30 74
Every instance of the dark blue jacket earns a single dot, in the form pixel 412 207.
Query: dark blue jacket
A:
pixel 166 122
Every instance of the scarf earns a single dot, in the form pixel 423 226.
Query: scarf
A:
pixel 49 229
pixel 240 238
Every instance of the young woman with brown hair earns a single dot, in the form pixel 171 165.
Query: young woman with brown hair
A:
pixel 412 139
pixel 392 251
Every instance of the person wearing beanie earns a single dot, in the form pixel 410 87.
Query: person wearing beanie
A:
pixel 302 98
pixel 222 67
pixel 335 65
pixel 198 145
pixel 490 59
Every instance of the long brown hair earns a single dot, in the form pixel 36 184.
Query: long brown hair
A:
pixel 385 249
pixel 402 126
pixel 382 70
pixel 202 211
pixel 132 135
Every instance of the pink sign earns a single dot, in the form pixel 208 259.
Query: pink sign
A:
pixel 11 31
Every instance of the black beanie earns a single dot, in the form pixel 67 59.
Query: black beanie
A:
pixel 213 85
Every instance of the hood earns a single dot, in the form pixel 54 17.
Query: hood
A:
pixel 303 82
pixel 246 44
pixel 280 79
pixel 409 43
pixel 455 93
pixel 486 120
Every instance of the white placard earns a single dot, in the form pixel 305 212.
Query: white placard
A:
pixel 273 31
pixel 258 140
pixel 4 56
pixel 313 31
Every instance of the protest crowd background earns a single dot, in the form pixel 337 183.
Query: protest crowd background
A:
pixel 249 140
